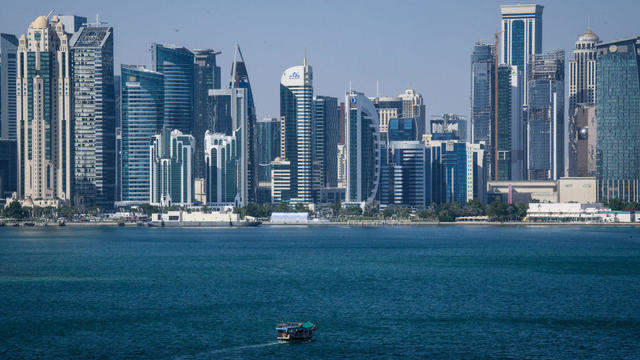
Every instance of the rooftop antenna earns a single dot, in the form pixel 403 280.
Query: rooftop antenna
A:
pixel 589 22
pixel 349 85
pixel 305 57
pixel 97 19
pixel 377 88
pixel 50 12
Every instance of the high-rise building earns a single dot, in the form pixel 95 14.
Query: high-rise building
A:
pixel 325 141
pixel 296 112
pixel 72 23
pixel 171 168
pixel 222 157
pixel 240 80
pixel 342 166
pixel 43 109
pixel 482 97
pixel 521 37
pixel 8 168
pixel 207 77
pixel 8 71
pixel 462 166
pixel 268 146
pixel 545 133
pixel 142 118
pixel 409 185
pixel 583 140
pixel 362 149
pixel 449 124
pixel 403 129
pixel 509 135
pixel 341 111
pixel 231 114
pixel 618 119
pixel 280 181
pixel 582 90
pixel 413 107
pixel 94 152
pixel 177 65
pixel 388 107
pixel 117 90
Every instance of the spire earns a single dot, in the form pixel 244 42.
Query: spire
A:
pixel 305 57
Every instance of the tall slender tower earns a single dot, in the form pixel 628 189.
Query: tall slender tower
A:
pixel 8 50
pixel 582 90
pixel 44 111
pixel 94 130
pixel 207 77
pixel 522 36
pixel 296 112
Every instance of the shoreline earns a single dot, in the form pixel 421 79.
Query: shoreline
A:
pixel 336 223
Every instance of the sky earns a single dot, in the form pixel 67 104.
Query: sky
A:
pixel 425 45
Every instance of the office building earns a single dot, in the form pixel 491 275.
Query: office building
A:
pixel 462 171
pixel 582 141
pixel 72 23
pixel 222 158
pixel 8 168
pixel 281 191
pixel 483 98
pixel 268 146
pixel 94 121
pixel 521 37
pixel 8 71
pixel 618 120
pixel 296 112
pixel 342 166
pixel 44 116
pixel 582 90
pixel 509 135
pixel 231 114
pixel 404 129
pixel 177 65
pixel 388 107
pixel 117 90
pixel 362 149
pixel 325 141
pixel 208 77
pixel 545 133
pixel 240 80
pixel 171 168
pixel 453 124
pixel 409 174
pixel 341 110
pixel 413 107
pixel 142 118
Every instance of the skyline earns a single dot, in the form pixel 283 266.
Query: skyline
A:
pixel 395 39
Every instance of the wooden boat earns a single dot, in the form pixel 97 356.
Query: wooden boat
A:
pixel 291 331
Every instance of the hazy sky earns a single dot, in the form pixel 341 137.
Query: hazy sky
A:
pixel 425 44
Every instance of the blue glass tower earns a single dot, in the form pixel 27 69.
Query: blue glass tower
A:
pixel 404 129
pixel 177 65
pixel 142 118
pixel 618 120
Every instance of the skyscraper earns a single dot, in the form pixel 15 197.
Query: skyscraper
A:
pixel 296 111
pixel 453 124
pixel 413 107
pixel 618 120
pixel 409 174
pixel 362 148
pixel 462 167
pixel 231 114
pixel 388 107
pixel 171 168
pixel 509 134
pixel 44 111
pixel 8 68
pixel 545 133
pixel 404 129
pixel 222 157
pixel 142 118
pixel 482 96
pixel 94 154
pixel 583 141
pixel 325 141
pixel 72 23
pixel 207 77
pixel 582 90
pixel 177 65
pixel 268 146
pixel 240 80
pixel 521 37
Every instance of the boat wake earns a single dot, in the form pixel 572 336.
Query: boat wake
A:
pixel 226 350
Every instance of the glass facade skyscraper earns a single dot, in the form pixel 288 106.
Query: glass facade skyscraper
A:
pixel 207 77
pixel 142 118
pixel 222 157
pixel 171 172
pixel 362 149
pixel 177 65
pixel 618 120
pixel 325 141
pixel 8 71
pixel 268 146
pixel 94 154
pixel 404 129
pixel 483 96
pixel 409 173
pixel 545 134
pixel 296 111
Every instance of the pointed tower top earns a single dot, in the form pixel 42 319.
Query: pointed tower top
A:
pixel 305 58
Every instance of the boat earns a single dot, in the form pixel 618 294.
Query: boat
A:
pixel 292 331
pixel 121 223
pixel 29 223
pixel 62 223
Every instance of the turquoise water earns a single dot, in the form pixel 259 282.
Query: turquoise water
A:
pixel 376 293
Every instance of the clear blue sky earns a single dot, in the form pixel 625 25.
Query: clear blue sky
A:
pixel 423 43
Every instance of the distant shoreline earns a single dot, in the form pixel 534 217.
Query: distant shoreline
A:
pixel 341 223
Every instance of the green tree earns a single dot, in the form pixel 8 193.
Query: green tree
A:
pixel 15 211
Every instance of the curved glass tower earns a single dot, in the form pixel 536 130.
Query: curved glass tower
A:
pixel 362 143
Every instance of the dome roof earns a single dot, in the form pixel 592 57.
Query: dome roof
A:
pixel 588 36
pixel 40 22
